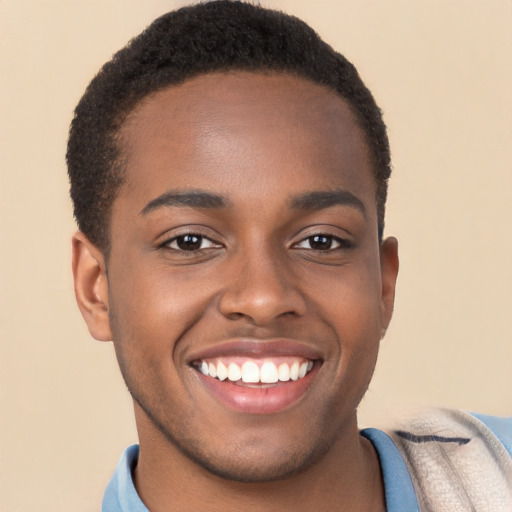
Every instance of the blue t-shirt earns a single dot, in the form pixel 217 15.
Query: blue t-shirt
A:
pixel 121 496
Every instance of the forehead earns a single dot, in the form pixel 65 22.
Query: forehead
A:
pixel 246 132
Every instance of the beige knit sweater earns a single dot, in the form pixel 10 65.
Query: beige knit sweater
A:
pixel 456 463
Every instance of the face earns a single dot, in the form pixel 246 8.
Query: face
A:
pixel 247 290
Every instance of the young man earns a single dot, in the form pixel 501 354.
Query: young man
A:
pixel 229 173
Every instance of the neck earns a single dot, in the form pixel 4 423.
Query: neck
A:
pixel 346 478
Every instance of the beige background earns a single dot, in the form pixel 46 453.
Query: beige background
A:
pixel 441 71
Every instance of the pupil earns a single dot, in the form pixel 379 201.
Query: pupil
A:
pixel 320 242
pixel 189 242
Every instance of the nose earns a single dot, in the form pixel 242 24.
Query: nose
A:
pixel 262 289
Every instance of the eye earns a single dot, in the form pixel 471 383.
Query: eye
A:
pixel 323 242
pixel 190 242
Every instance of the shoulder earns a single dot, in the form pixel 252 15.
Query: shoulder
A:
pixel 458 461
pixel 120 494
pixel 500 427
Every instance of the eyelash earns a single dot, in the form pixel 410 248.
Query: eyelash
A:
pixel 197 238
pixel 200 238
pixel 342 243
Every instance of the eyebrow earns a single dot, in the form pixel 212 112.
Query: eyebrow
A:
pixel 191 198
pixel 324 199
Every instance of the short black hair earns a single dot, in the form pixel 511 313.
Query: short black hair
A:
pixel 208 37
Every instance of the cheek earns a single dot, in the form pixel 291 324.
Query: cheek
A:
pixel 350 304
pixel 151 307
pixel 350 297
pixel 149 315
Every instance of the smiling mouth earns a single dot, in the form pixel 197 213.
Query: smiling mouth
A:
pixel 257 377
pixel 245 370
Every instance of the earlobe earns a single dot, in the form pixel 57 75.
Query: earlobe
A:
pixel 389 272
pixel 91 286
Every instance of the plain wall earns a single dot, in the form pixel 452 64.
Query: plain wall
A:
pixel 441 72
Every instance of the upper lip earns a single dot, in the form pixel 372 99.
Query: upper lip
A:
pixel 256 348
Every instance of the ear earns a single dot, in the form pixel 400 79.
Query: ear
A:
pixel 389 272
pixel 91 286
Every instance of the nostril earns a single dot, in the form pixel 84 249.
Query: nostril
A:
pixel 236 316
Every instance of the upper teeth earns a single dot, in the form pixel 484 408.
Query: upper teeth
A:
pixel 253 371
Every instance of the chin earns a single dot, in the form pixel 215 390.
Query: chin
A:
pixel 246 460
pixel 253 467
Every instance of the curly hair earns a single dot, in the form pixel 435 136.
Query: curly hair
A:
pixel 209 37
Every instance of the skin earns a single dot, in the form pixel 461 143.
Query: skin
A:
pixel 260 142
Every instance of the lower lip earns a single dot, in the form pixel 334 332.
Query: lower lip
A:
pixel 267 399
